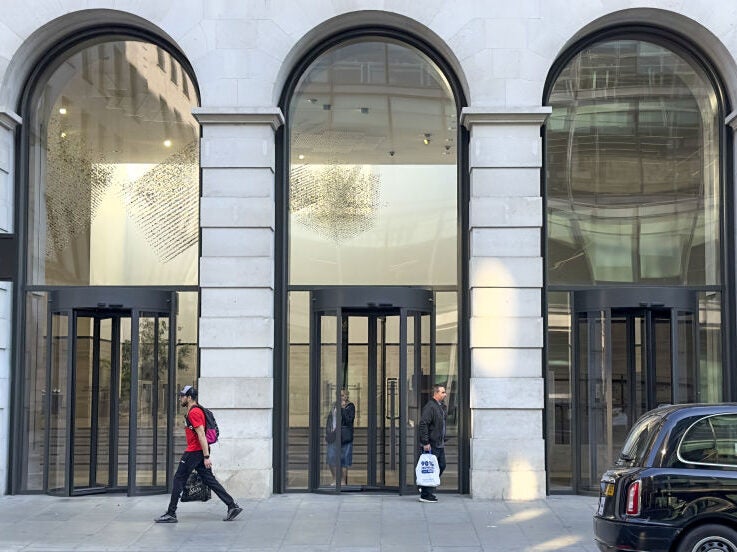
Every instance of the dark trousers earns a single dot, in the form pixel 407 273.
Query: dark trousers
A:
pixel 196 461
pixel 440 455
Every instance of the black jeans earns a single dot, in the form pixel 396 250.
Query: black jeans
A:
pixel 196 461
pixel 440 455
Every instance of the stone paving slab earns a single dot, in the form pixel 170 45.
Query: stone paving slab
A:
pixel 299 522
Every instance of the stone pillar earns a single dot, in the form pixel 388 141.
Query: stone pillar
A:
pixel 8 123
pixel 506 281
pixel 237 291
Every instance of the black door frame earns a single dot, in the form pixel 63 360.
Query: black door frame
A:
pixel 112 303
pixel 372 302
pixel 597 306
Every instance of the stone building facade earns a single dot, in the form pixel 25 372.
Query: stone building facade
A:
pixel 529 418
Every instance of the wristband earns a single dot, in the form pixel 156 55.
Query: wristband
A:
pixel 206 457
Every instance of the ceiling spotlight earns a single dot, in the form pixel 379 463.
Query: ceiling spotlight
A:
pixel 365 110
pixel 63 134
pixel 167 143
pixel 301 156
pixel 63 110
pixel 312 100
pixel 426 140
pixel 326 107
pixel 391 153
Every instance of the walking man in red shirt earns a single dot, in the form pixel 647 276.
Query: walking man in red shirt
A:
pixel 196 457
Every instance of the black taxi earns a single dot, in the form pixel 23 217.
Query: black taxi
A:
pixel 674 485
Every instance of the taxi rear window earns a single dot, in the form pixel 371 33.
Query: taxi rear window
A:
pixel 710 440
pixel 638 441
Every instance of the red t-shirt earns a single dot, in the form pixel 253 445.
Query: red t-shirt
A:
pixel 197 419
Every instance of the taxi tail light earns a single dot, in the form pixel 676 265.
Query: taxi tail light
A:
pixel 633 498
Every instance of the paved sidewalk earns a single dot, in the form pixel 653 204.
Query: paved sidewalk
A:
pixel 299 522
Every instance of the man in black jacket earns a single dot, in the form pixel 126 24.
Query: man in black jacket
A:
pixel 432 434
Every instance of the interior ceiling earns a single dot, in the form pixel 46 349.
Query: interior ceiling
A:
pixel 373 103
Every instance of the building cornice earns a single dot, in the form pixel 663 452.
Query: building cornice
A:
pixel 239 116
pixel 9 119
pixel 504 115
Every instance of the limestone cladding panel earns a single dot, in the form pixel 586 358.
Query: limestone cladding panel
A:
pixel 238 302
pixel 230 212
pixel 506 363
pixel 506 424
pixel 238 242
pixel 505 242
pixel 506 212
pixel 229 182
pixel 234 425
pixel 515 302
pixel 248 151
pixel 236 272
pixel 514 454
pixel 490 182
pixel 243 362
pixel 507 484
pixel 227 393
pixel 7 188
pixel 507 393
pixel 251 483
pixel 236 332
pixel 239 453
pixel 501 331
pixel 506 146
pixel 506 272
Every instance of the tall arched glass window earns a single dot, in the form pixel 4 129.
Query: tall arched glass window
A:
pixel 114 178
pixel 111 264
pixel 372 253
pixel 633 252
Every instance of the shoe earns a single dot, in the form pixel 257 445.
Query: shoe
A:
pixel 233 513
pixel 428 498
pixel 167 518
pixel 434 498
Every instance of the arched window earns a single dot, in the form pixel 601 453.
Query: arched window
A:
pixel 373 246
pixel 110 296
pixel 634 260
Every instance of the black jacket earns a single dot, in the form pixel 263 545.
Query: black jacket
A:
pixel 432 422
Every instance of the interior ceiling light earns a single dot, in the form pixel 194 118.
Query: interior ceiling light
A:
pixel 63 110
pixel 63 134
pixel 326 107
pixel 365 110
pixel 301 156
pixel 167 143
pixel 312 100
pixel 427 140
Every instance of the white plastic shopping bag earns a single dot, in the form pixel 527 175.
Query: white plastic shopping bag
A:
pixel 427 472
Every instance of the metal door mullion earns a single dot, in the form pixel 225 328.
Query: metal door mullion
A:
pixel 384 394
pixel 171 378
pixel 313 459
pixel 47 398
pixel 155 403
pixel 71 374
pixel 402 398
pixel 114 401
pixel 371 432
pixel 675 368
pixel 339 335
pixel 132 418
pixel 95 422
pixel 631 364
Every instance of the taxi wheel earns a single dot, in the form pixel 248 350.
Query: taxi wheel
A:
pixel 717 538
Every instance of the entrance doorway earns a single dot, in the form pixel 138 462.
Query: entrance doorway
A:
pixel 109 415
pixel 375 347
pixel 632 354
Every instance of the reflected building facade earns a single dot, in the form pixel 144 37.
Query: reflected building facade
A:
pixel 529 204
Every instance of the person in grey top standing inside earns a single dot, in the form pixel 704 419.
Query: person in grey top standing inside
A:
pixel 432 434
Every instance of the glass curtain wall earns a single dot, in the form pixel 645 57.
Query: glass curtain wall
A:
pixel 113 200
pixel 634 202
pixel 372 199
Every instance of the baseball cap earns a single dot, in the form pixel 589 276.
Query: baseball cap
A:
pixel 186 390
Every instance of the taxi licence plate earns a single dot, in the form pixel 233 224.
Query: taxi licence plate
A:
pixel 609 489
